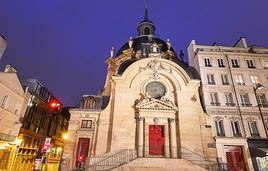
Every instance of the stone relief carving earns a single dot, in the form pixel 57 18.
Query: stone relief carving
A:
pixel 148 103
pixel 155 65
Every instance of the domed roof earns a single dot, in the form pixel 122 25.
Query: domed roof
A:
pixel 145 39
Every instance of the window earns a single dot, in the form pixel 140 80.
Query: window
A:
pixel 254 79
pixel 210 78
pixel 229 99
pixel 86 124
pixel 265 64
pixel 214 100
pixel 16 112
pixel 235 63
pixel 245 100
pixel 4 101
pixel 221 63
pixel 250 63
pixel 253 129
pixel 239 79
pixel 266 125
pixel 224 79
pixel 146 30
pixel 262 100
pixel 236 128
pixel 219 128
pixel 207 62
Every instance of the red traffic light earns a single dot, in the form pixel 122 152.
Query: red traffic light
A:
pixel 81 158
pixel 54 105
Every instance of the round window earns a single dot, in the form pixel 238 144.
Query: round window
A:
pixel 155 89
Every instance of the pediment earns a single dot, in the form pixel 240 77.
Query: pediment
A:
pixel 156 105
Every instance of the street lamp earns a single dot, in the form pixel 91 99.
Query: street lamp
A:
pixel 256 87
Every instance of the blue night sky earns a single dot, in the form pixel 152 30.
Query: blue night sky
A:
pixel 64 43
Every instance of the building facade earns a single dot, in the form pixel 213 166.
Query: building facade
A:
pixel 234 83
pixel 3 45
pixel 13 100
pixel 42 131
pixel 147 116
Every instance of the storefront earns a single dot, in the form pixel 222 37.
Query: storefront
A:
pixel 259 154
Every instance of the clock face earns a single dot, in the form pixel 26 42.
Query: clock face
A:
pixel 155 89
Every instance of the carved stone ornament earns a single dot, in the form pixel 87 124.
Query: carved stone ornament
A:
pixel 155 65
pixel 155 104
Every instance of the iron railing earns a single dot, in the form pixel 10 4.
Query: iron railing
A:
pixel 200 160
pixel 108 162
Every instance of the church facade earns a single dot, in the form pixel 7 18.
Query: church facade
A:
pixel 148 116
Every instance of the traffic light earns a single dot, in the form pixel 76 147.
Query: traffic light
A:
pixel 81 157
pixel 54 104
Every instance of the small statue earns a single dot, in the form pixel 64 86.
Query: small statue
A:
pixel 168 44
pixel 112 52
pixel 130 42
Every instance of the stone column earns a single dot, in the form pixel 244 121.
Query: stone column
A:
pixel 141 135
pixel 173 142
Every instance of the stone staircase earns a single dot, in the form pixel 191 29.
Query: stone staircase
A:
pixel 126 160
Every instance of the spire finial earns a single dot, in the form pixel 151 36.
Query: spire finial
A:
pixel 146 14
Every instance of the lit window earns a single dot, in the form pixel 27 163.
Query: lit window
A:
pixel 253 129
pixel 221 63
pixel 219 128
pixel 239 79
pixel 207 62
pixel 235 63
pixel 254 79
pixel 245 100
pixel 86 124
pixel 214 100
pixel 4 101
pixel 210 78
pixel 262 101
pixel 224 79
pixel 236 128
pixel 229 99
pixel 250 63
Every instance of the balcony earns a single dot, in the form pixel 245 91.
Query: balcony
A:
pixel 252 67
pixel 238 135
pixel 264 105
pixel 255 135
pixel 242 84
pixel 230 104
pixel 220 134
pixel 208 65
pixel 246 104
pixel 215 103
pixel 235 66
pixel 211 83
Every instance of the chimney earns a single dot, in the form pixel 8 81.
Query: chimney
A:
pixel 10 69
pixel 241 43
pixel 3 45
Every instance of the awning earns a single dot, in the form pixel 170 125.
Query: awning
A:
pixel 259 152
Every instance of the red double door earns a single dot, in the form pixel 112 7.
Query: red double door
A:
pixel 156 140
pixel 235 158
pixel 82 149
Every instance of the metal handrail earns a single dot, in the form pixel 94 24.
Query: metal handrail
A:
pixel 199 159
pixel 114 160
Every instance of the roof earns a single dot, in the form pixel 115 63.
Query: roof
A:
pixel 138 41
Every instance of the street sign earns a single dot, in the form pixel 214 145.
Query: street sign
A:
pixel 47 145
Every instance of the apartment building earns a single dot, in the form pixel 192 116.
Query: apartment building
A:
pixel 234 91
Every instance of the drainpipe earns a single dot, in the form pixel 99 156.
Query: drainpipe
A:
pixel 236 97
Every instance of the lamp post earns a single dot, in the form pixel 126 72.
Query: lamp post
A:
pixel 256 87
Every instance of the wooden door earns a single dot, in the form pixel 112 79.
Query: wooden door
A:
pixel 235 159
pixel 156 140
pixel 82 150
